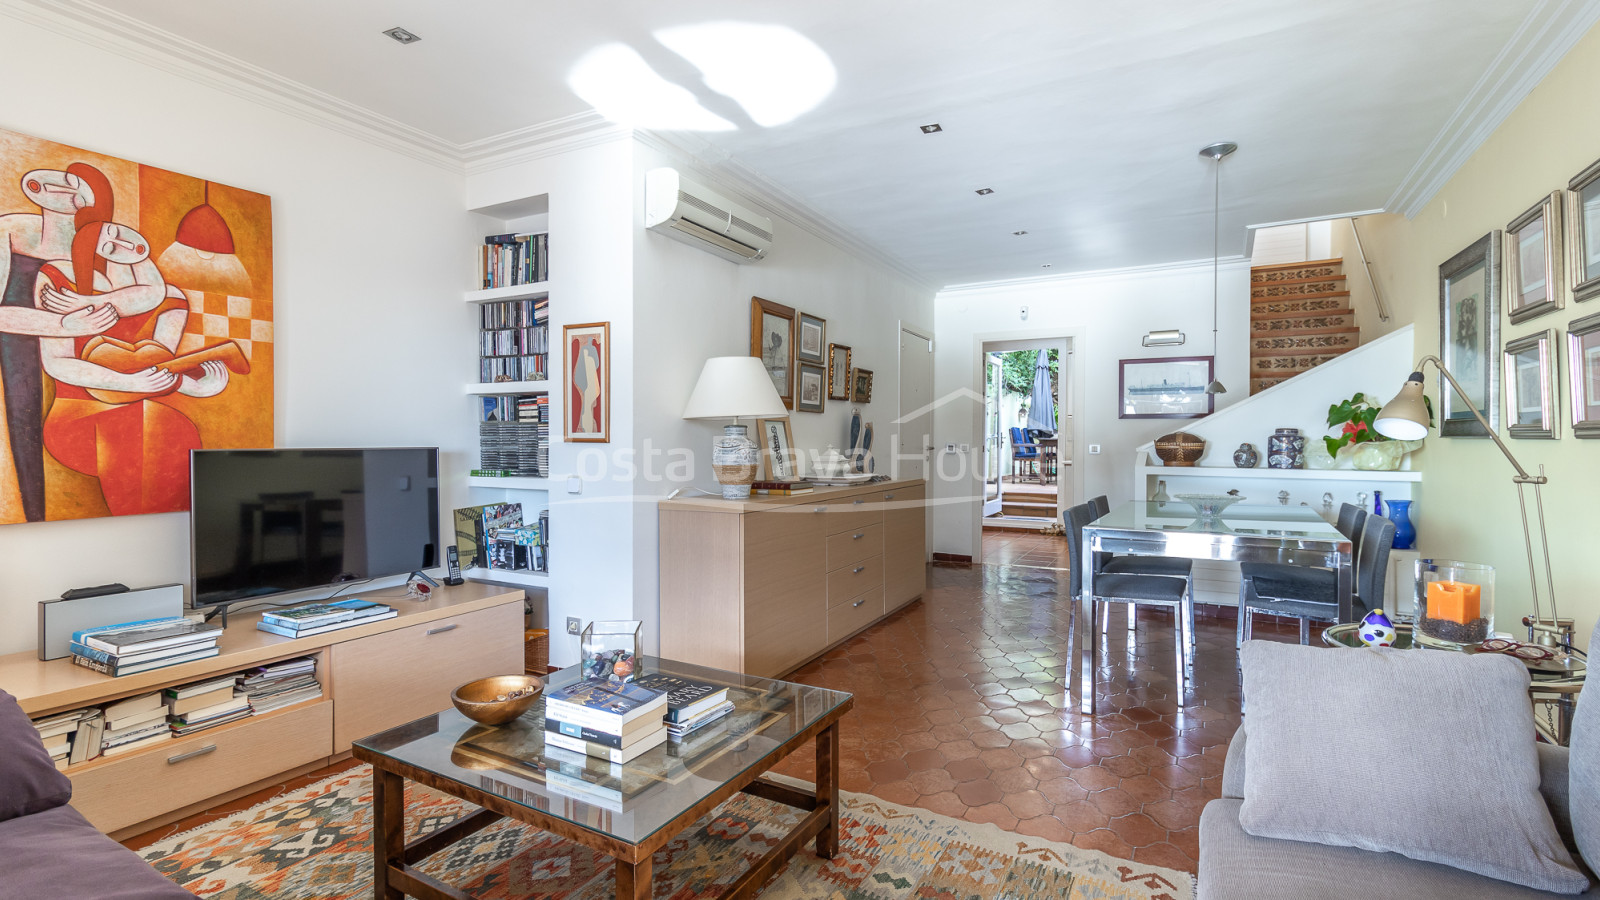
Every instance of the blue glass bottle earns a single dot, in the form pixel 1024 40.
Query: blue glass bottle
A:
pixel 1405 531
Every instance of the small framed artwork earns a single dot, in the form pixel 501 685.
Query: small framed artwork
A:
pixel 1583 232
pixel 779 462
pixel 813 343
pixel 1469 336
pixel 772 340
pixel 838 372
pixel 1530 386
pixel 811 388
pixel 1533 261
pixel 1583 370
pixel 860 385
pixel 1165 387
pixel 588 382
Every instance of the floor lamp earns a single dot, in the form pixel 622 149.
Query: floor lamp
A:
pixel 1406 418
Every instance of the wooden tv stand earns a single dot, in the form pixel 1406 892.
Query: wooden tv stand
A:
pixel 374 677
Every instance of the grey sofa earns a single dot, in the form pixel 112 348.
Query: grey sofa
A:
pixel 1235 865
pixel 48 850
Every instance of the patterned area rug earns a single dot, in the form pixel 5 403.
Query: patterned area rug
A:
pixel 314 844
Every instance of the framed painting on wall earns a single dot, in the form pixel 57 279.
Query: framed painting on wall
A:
pixel 1165 387
pixel 772 340
pixel 1530 386
pixel 860 385
pixel 1583 232
pixel 1469 336
pixel 1583 372
pixel 587 382
pixel 810 388
pixel 812 344
pixel 838 372
pixel 1533 261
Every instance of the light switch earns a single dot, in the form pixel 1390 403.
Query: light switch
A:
pixel 574 484
pixel 1094 449
pixel 966 448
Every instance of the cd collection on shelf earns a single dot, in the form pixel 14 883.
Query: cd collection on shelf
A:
pixel 514 436
pixel 514 340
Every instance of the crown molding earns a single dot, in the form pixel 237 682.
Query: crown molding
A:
pixel 984 287
pixel 563 135
pixel 1539 43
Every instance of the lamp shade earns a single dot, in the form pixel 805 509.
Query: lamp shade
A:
pixel 732 387
pixel 1405 418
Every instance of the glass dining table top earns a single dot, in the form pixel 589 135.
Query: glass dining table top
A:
pixel 1301 523
pixel 630 801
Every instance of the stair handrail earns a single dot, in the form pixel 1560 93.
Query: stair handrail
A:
pixel 1377 298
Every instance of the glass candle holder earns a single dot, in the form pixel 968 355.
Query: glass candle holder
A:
pixel 1455 603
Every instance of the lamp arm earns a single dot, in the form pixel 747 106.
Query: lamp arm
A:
pixel 1522 474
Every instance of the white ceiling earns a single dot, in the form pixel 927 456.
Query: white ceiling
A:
pixel 1085 118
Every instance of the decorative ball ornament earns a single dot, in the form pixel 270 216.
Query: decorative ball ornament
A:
pixel 1376 630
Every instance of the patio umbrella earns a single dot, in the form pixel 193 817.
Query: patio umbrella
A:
pixel 1042 405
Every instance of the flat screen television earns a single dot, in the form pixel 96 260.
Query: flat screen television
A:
pixel 291 525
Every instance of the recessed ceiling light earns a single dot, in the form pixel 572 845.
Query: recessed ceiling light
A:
pixel 931 128
pixel 984 191
pixel 402 35
pixel 1019 233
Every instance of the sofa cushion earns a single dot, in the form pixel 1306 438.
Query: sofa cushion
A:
pixel 1425 753
pixel 1233 766
pixel 1235 865
pixel 57 853
pixel 1584 763
pixel 29 781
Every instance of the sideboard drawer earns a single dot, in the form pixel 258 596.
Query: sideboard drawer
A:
pixel 851 616
pixel 126 790
pixel 851 581
pixel 849 547
pixel 852 513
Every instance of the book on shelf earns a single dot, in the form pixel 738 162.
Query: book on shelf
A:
pixel 323 612
pixel 612 704
pixel 782 487
pixel 58 744
pixel 60 723
pixel 225 708
pixel 88 739
pixel 177 706
pixel 122 721
pixel 601 751
pixel 184 730
pixel 117 670
pixel 195 688
pixel 286 668
pixel 165 734
pixel 117 736
pixel 678 731
pixel 128 659
pixel 140 702
pixel 315 628
pixel 512 259
pixel 686 698
pixel 136 637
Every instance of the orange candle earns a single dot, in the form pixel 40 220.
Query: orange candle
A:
pixel 1455 601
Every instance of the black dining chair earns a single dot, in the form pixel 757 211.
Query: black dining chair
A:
pixel 1169 566
pixel 1152 590
pixel 1310 594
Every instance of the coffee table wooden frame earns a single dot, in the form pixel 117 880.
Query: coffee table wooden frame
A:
pixel 394 875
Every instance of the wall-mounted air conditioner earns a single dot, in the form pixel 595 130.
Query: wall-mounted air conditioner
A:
pixel 703 217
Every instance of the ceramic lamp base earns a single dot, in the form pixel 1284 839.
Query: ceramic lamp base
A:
pixel 734 461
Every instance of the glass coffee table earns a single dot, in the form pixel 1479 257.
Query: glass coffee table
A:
pixel 625 811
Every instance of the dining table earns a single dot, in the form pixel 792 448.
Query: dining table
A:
pixel 1298 535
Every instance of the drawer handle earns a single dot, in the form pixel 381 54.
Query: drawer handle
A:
pixel 858 501
pixel 821 509
pixel 174 760
pixel 888 496
pixel 858 570
pixel 859 602
pixel 442 629
pixel 858 536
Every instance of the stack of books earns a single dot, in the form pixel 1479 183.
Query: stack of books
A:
pixel 691 705
pixel 316 618
pixel 140 646
pixel 276 685
pixel 609 720
pixel 782 488
pixel 60 734
pixel 133 723
pixel 204 704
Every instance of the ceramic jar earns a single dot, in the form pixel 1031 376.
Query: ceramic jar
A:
pixel 1286 449
pixel 734 461
pixel 1246 456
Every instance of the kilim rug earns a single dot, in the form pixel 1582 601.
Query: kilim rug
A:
pixel 314 844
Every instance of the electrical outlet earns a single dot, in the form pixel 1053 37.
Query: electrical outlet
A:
pixel 574 625
pixel 1094 449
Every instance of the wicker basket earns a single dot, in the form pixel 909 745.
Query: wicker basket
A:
pixel 1180 448
pixel 536 651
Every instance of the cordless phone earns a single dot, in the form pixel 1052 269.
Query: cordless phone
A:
pixel 453 565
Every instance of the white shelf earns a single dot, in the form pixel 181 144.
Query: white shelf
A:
pixel 534 291
pixel 510 483
pixel 1281 474
pixel 508 387
pixel 530 579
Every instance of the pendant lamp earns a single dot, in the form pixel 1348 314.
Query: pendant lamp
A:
pixel 1216 152
pixel 201 256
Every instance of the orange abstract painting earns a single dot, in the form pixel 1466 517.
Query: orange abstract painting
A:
pixel 135 326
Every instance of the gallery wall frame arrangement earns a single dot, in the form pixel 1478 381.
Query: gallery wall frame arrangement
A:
pixel 812 344
pixel 587 381
pixel 811 387
pixel 778 459
pixel 1165 387
pixel 838 372
pixel 1469 336
pixel 1533 266
pixel 772 339
pixel 860 385
pixel 1530 363
pixel 1583 372
pixel 1583 232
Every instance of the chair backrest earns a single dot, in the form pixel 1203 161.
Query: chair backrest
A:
pixel 1372 560
pixel 1075 518
pixel 1019 443
pixel 1100 505
pixel 1350 516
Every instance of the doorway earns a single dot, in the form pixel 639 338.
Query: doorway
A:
pixel 1027 434
pixel 914 436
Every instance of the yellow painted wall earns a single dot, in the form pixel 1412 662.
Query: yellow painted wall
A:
pixel 1468 507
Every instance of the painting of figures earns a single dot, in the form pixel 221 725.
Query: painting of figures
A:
pixel 135 326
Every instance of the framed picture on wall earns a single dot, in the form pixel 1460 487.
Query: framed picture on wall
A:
pixel 587 382
pixel 1165 387
pixel 838 372
pixel 811 387
pixel 812 344
pixel 1583 232
pixel 1533 261
pixel 1530 386
pixel 1469 336
pixel 772 340
pixel 861 385
pixel 1583 370
pixel 779 461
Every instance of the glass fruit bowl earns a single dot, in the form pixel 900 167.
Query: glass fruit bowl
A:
pixel 1209 506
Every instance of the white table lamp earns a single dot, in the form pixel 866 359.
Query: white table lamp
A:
pixel 734 387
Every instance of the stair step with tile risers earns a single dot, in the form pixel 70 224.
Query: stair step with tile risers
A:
pixel 1317 341
pixel 1310 269
pixel 1300 305
pixel 1300 317
pixel 1304 287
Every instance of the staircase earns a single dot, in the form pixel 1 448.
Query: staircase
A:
pixel 1030 500
pixel 1300 317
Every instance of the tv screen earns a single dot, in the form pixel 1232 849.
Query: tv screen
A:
pixel 278 522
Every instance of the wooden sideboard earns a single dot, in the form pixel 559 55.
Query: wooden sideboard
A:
pixel 766 584
pixel 374 677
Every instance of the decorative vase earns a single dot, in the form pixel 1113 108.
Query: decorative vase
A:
pixel 1246 456
pixel 734 460
pixel 1161 492
pixel 1286 449
pixel 1378 456
pixel 1405 531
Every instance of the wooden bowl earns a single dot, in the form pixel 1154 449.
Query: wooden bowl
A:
pixel 1180 448
pixel 498 699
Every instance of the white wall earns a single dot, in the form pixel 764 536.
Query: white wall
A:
pixel 1106 314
